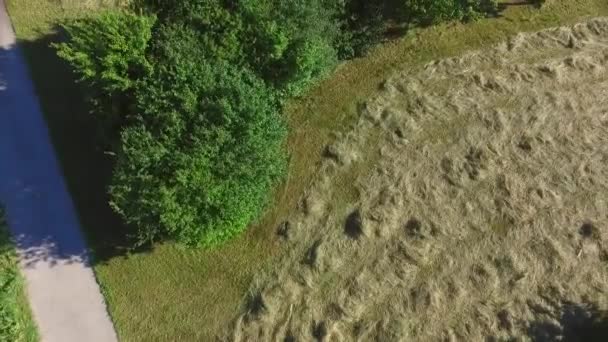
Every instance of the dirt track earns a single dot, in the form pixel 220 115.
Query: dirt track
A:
pixel 470 201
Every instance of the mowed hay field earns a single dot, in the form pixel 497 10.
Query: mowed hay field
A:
pixel 477 209
pixel 178 294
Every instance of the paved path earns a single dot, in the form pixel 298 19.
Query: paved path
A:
pixel 61 286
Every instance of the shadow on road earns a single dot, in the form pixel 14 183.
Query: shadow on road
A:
pixel 82 162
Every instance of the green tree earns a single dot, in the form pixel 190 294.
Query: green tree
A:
pixel 208 27
pixel 199 165
pixel 362 25
pixel 291 43
pixel 108 53
pixel 427 12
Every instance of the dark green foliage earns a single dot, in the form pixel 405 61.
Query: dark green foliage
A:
pixel 304 64
pixel 108 53
pixel 362 26
pixel 364 23
pixel 426 12
pixel 209 28
pixel 290 43
pixel 488 7
pixel 199 166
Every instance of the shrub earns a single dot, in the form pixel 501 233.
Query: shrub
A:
pixel 427 12
pixel 288 43
pixel 305 63
pixel 207 27
pixel 362 26
pixel 291 43
pixel 199 165
pixel 201 83
pixel 108 53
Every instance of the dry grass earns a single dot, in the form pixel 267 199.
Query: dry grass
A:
pixel 481 214
pixel 176 294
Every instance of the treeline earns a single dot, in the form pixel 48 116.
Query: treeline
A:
pixel 189 97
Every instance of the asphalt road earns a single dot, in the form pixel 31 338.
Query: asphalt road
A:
pixel 63 293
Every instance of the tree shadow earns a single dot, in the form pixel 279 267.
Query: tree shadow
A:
pixel 83 163
pixel 577 323
pixel 397 23
pixel 506 4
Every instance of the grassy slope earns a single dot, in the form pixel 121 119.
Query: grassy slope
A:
pixel 173 293
pixel 16 322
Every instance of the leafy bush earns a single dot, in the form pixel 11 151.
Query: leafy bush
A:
pixel 203 158
pixel 208 27
pixel 200 84
pixel 428 12
pixel 108 53
pixel 305 63
pixel 291 42
pixel 362 24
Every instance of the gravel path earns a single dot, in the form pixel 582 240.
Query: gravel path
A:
pixel 61 286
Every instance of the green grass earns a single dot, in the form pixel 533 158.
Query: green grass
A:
pixel 171 293
pixel 16 322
